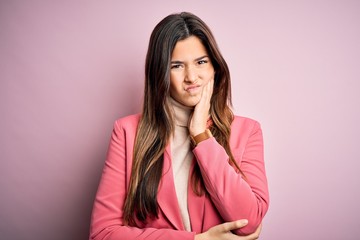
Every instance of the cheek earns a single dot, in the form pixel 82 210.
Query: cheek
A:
pixel 175 82
pixel 174 88
pixel 208 74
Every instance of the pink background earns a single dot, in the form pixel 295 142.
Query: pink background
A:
pixel 68 69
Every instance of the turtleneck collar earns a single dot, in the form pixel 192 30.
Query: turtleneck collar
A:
pixel 181 112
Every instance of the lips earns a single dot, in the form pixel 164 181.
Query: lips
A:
pixel 191 88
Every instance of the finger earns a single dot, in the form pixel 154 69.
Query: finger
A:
pixel 207 92
pixel 212 82
pixel 254 235
pixel 229 226
pixel 205 97
pixel 210 89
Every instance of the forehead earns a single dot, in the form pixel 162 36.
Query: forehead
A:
pixel 189 49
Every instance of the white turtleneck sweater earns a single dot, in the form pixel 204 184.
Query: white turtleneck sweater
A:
pixel 182 156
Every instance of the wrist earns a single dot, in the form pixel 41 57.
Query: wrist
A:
pixel 197 132
pixel 200 236
pixel 195 140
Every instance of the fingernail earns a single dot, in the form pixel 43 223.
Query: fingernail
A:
pixel 244 221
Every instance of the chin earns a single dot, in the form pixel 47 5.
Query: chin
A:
pixel 187 101
pixel 190 102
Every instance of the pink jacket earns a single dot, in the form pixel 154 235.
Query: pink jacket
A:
pixel 229 196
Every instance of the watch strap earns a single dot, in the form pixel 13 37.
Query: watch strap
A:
pixel 195 140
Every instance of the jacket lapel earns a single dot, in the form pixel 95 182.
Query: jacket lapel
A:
pixel 167 198
pixel 196 205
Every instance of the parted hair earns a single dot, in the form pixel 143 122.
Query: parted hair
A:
pixel 156 122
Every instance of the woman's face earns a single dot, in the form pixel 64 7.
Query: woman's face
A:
pixel 191 69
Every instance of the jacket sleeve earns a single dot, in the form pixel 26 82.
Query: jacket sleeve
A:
pixel 106 219
pixel 236 197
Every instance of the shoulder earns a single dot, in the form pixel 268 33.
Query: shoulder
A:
pixel 129 123
pixel 242 129
pixel 244 123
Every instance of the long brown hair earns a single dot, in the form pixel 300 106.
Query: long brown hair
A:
pixel 156 122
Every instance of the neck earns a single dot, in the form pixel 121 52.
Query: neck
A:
pixel 181 113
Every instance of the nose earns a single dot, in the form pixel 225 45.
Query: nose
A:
pixel 191 75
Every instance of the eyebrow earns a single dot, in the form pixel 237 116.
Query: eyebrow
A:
pixel 196 59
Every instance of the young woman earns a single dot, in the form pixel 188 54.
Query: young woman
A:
pixel 186 167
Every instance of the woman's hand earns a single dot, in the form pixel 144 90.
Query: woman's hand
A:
pixel 200 115
pixel 223 232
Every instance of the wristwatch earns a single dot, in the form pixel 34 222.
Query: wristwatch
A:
pixel 195 140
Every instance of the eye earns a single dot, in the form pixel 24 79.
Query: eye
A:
pixel 200 62
pixel 175 66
